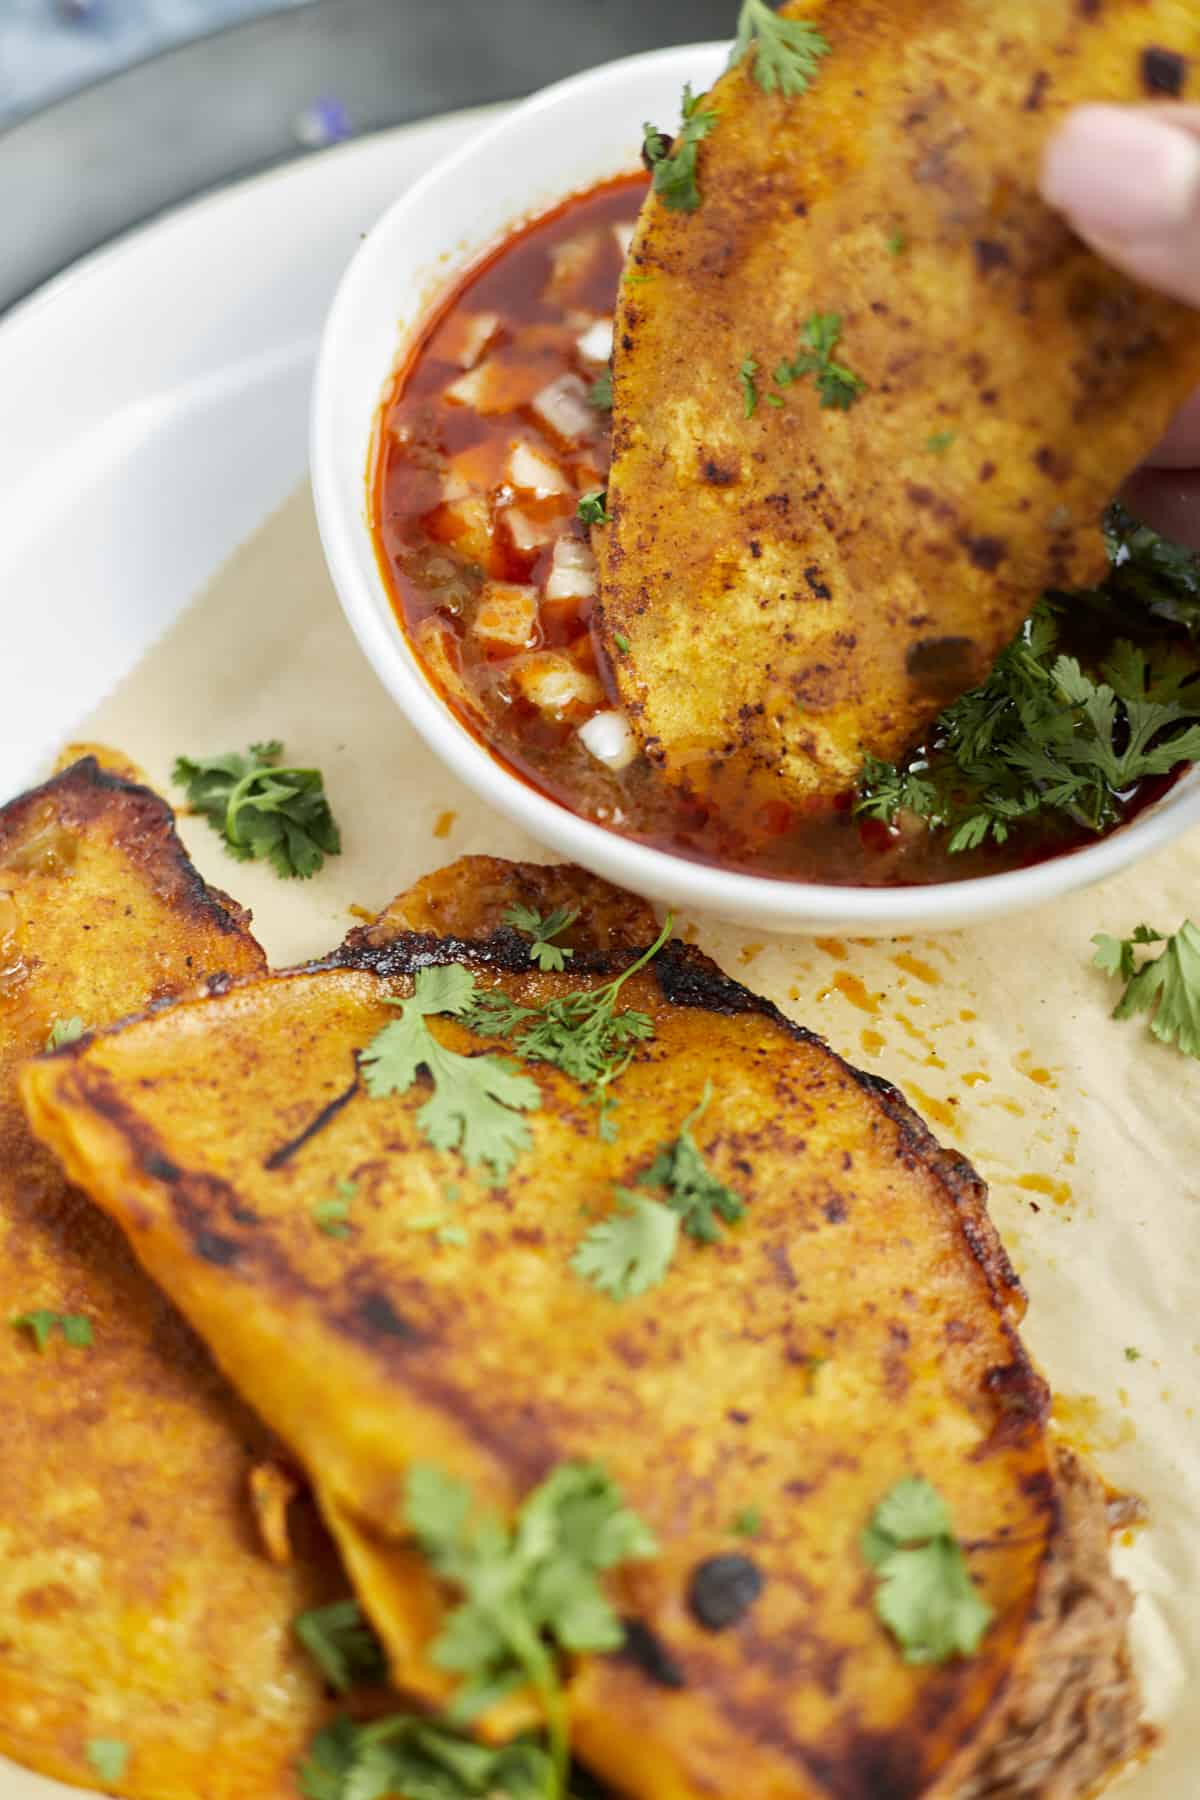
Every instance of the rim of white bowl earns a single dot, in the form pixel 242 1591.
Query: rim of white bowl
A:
pixel 350 552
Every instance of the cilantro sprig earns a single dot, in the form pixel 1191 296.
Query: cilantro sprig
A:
pixel 674 164
pixel 693 1191
pixel 925 1595
pixel 581 1032
pixel 262 810
pixel 550 957
pixel 787 52
pixel 838 386
pixel 477 1100
pixel 530 1590
pixel 423 1759
pixel 1152 572
pixel 343 1644
pixel 74 1328
pixel 109 1757
pixel 1045 736
pixel 600 394
pixel 1167 985
pixel 630 1251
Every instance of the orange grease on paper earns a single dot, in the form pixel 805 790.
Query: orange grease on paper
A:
pixel 940 1111
pixel 871 1041
pixel 913 965
pixel 852 989
pixel 833 947
pixel 1058 1191
pixel 1089 1428
pixel 445 824
pixel 975 1078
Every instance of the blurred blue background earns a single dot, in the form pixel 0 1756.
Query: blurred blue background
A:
pixel 50 47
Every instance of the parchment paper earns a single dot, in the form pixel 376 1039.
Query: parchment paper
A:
pixel 1087 1131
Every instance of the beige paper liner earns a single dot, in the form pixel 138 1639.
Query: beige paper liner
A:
pixel 1087 1131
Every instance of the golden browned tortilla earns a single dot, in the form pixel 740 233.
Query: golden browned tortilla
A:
pixel 784 592
pixel 137 1605
pixel 857 1326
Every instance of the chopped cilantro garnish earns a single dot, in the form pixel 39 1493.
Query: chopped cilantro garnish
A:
pixel 940 442
pixel 343 1645
pixel 925 1595
pixel 548 956
pixel 601 395
pixel 64 1031
pixel 593 509
pixel 1166 985
pixel 837 385
pixel 622 642
pixel 262 810
pixel 75 1328
pixel 786 51
pixel 476 1100
pixel 109 1757
pixel 1132 1355
pixel 747 376
pixel 1043 736
pixel 531 1590
pixel 331 1216
pixel 693 1191
pixel 897 244
pixel 774 399
pixel 424 1759
pixel 1151 571
pixel 631 1250
pixel 747 1523
pixel 674 165
pixel 580 1033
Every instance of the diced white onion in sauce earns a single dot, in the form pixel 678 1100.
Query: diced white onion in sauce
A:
pixel 572 572
pixel 534 473
pixel 609 739
pixel 569 264
pixel 553 683
pixel 466 524
pixel 478 330
pixel 562 406
pixel 624 236
pixel 507 614
pixel 595 344
pixel 455 486
pixel 487 388
pixel 526 533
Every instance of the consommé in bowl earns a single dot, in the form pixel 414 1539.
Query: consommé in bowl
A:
pixel 563 141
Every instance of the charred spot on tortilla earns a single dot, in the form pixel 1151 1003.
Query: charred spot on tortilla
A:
pixel 875 249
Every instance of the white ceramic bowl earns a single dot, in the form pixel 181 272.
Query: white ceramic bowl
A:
pixel 562 141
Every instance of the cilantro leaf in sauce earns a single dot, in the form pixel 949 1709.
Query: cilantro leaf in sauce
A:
pixel 1043 736
pixel 1167 985
pixel 477 1100
pixel 786 52
pixel 925 1595
pixel 263 810
pixel 593 508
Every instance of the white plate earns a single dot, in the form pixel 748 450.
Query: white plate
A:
pixel 155 411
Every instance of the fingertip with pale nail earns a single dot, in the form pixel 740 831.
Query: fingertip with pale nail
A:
pixel 1123 175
